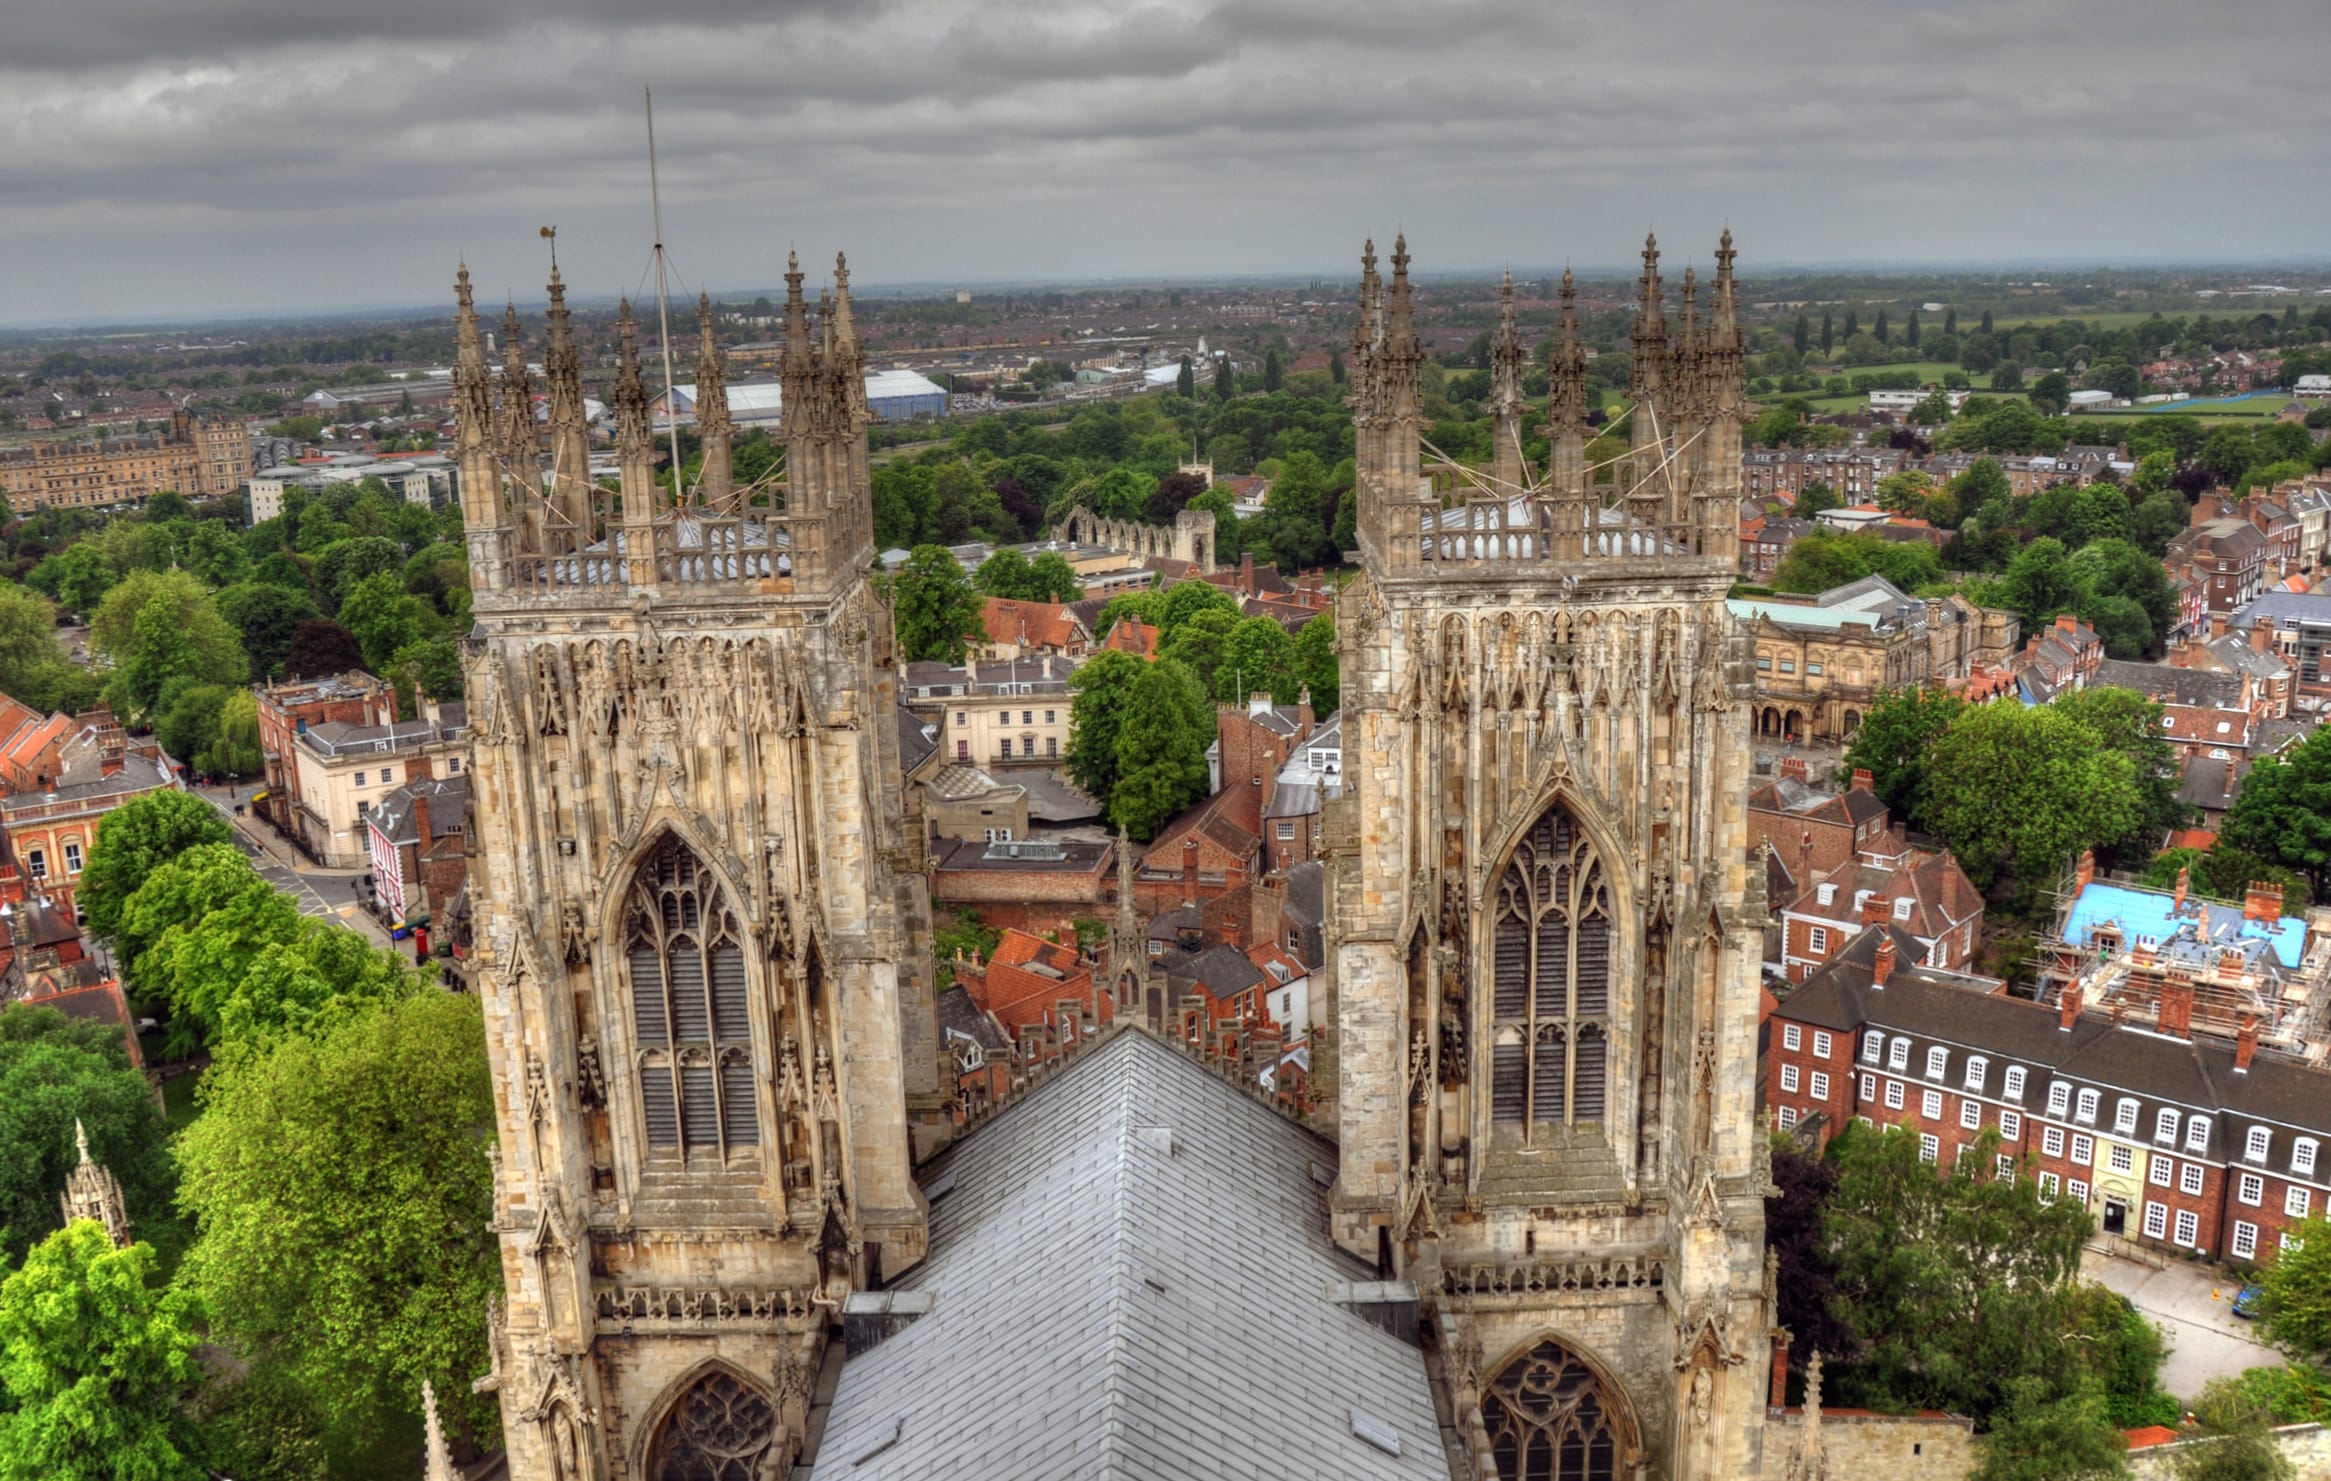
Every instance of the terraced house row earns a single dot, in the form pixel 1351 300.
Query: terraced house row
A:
pixel 2173 1139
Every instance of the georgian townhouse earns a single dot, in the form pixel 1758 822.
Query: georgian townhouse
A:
pixel 1925 894
pixel 2196 1144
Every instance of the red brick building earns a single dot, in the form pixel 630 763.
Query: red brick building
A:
pixel 2170 1139
pixel 287 709
pixel 1811 831
pixel 1030 884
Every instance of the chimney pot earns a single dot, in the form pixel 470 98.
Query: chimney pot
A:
pixel 2246 1043
pixel 1883 966
pixel 1861 779
pixel 2184 883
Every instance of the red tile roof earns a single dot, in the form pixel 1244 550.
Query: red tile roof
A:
pixel 1030 624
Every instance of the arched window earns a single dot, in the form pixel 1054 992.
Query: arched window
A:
pixel 1552 969
pixel 1549 1419
pixel 717 1431
pixel 688 1017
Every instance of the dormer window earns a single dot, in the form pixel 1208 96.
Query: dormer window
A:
pixel 1937 1062
pixel 2087 1106
pixel 2124 1116
pixel 1977 1069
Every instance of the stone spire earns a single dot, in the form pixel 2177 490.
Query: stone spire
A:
pixel 484 514
pixel 1505 394
pixel 1402 355
pixel 473 387
pixel 1722 347
pixel 1125 943
pixel 92 1192
pixel 714 429
pixel 1723 411
pixel 1809 1461
pixel 635 443
pixel 570 433
pixel 1649 335
pixel 1566 407
pixel 437 1460
pixel 521 438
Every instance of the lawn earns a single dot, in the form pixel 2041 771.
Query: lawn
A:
pixel 2208 408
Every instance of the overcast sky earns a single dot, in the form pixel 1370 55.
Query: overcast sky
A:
pixel 220 156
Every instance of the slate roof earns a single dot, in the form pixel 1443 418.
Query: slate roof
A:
pixel 917 739
pixel 1129 1281
pixel 2204 688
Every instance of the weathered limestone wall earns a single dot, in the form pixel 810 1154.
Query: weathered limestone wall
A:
pixel 2306 1446
pixel 1891 1447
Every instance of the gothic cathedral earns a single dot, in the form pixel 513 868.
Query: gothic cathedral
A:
pixel 1544 934
pixel 702 932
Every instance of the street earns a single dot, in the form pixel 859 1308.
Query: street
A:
pixel 2207 1340
pixel 325 894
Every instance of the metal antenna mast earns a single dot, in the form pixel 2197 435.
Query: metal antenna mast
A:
pixel 663 309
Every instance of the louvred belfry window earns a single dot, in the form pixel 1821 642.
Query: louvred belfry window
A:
pixel 1551 947
pixel 689 1023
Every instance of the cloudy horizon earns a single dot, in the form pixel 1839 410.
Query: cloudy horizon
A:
pixel 243 157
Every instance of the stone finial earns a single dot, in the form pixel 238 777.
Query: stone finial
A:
pixel 92 1192
pixel 437 1460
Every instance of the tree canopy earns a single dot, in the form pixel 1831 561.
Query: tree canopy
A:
pixel 56 1071
pixel 937 607
pixel 96 1355
pixel 2283 812
pixel 135 839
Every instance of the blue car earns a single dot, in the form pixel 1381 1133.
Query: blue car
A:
pixel 2246 1301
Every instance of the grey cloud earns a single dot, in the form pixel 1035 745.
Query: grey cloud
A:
pixel 357 148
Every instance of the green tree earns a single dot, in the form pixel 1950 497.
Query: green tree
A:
pixel 2237 1442
pixel 1893 744
pixel 96 1353
pixel 1055 579
pixel 2039 583
pixel 2016 793
pixel 2294 1306
pixel 1274 374
pixel 1258 657
pixel 1161 749
pixel 1316 661
pixel 2283 814
pixel 383 617
pixel 1201 643
pixel 2051 393
pixel 265 616
pixel 55 1072
pixel 33 670
pixel 1007 574
pixel 133 841
pixel 235 752
pixel 78 577
pixel 2049 1435
pixel 1187 600
pixel 1883 334
pixel 2126 723
pixel 1957 1281
pixel 160 626
pixel 1186 382
pixel 1801 337
pixel 1224 385
pixel 938 611
pixel 1295 525
pixel 191 725
pixel 1104 687
pixel 1828 334
pixel 1815 497
pixel 343 1198
pixel 214 555
pixel 320 647
pixel 344 563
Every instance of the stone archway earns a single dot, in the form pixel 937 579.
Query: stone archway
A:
pixel 1552 1416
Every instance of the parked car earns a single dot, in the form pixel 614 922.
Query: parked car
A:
pixel 2246 1301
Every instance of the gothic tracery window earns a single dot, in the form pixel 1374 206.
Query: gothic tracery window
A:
pixel 1549 1419
pixel 718 1431
pixel 1551 940
pixel 692 1033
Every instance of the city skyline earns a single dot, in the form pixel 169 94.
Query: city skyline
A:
pixel 259 158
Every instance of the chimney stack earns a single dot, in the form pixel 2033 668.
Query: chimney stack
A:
pixel 2246 1043
pixel 1793 768
pixel 2068 1009
pixel 1882 967
pixel 1861 779
pixel 2184 883
pixel 1780 1392
pixel 2176 1018
pixel 2084 872
pixel 1876 909
pixel 2260 634
pixel 2262 901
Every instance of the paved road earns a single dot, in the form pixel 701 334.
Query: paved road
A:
pixel 2208 1340
pixel 325 894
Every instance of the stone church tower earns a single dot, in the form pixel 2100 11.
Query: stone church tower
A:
pixel 703 938
pixel 1544 930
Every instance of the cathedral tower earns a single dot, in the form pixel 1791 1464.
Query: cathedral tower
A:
pixel 1544 933
pixel 703 940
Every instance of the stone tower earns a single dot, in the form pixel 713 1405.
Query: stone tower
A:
pixel 1544 933
pixel 703 936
